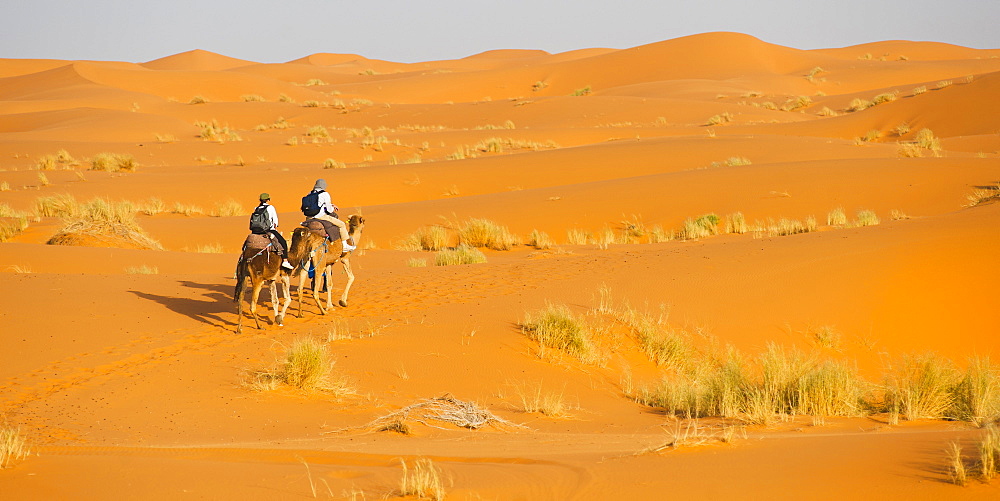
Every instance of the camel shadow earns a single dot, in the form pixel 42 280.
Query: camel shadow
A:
pixel 215 307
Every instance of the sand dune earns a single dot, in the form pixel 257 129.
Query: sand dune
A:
pixel 127 361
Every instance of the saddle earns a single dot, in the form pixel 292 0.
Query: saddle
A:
pixel 256 243
pixel 322 228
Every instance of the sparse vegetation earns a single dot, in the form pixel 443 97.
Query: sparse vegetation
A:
pixel 330 163
pixel 534 399
pixel 723 118
pixel 736 223
pixel 102 222
pixel 430 238
pixel 252 98
pixel 700 227
pixel 577 236
pixel 227 208
pixel 486 233
pixel 198 100
pixel 556 327
pixel 143 269
pixel 423 480
pixel 956 464
pixel 414 262
pixel 866 217
pixel 540 240
pixel 584 91
pixel 463 254
pixel 114 162
pixel 13 446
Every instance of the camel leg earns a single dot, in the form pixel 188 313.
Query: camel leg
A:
pixel 317 285
pixel 257 285
pixel 286 286
pixel 346 261
pixel 273 287
pixel 328 280
pixel 239 311
pixel 301 288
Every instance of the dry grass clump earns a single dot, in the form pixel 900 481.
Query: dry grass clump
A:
pixel 919 90
pixel 318 131
pixel 858 104
pixel 700 227
pixel 144 269
pixel 307 365
pixel 540 240
pixel 252 98
pixel 736 223
pixel 199 99
pixel 330 163
pixel 422 479
pixel 827 112
pixel 104 223
pixel 583 91
pixel 827 337
pixel 926 140
pixel 11 226
pixel 486 233
pixel 956 464
pixel 902 129
pixel 114 162
pixel 414 262
pixel 989 453
pixel 577 236
pixel 666 347
pixel 779 382
pixel 865 217
pixel 720 119
pixel 732 162
pixel 463 254
pixel 227 208
pixel 796 103
pixel 430 238
pixel 885 97
pixel 919 387
pixel 13 446
pixel 212 131
pixel 556 327
pixel 983 195
pixel 945 83
pixel 535 400
pixel 315 81
pixel 977 393
pixel 910 150
pixel 62 205
pixel 785 226
pixel 870 136
pixel 445 409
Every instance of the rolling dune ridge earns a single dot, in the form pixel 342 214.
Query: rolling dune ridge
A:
pixel 123 371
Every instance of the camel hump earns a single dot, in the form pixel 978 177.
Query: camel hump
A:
pixel 256 242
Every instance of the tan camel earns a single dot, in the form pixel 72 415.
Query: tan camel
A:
pixel 309 245
pixel 260 266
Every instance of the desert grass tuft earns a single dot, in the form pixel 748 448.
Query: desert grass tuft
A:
pixel 977 393
pixel 143 269
pixel 414 262
pixel 114 162
pixel 577 236
pixel 307 365
pixel 540 240
pixel 463 254
pixel 227 208
pixel 989 453
pixel 556 327
pixel 919 387
pixel 112 223
pixel 956 464
pixel 925 139
pixel 61 205
pixel 534 399
pixel 430 238
pixel 486 233
pixel 13 446
pixel 700 227
pixel 866 217
pixel 720 119
pixel 422 479
pixel 12 226
pixel 330 163
pixel 736 223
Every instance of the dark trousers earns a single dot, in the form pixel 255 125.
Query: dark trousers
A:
pixel 281 240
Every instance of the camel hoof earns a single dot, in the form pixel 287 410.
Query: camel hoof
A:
pixel 343 303
pixel 280 320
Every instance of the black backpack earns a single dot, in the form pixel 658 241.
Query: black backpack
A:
pixel 260 221
pixel 310 204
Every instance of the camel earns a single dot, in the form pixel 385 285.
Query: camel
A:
pixel 260 265
pixel 309 244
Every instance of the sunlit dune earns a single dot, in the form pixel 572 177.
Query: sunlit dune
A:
pixel 709 266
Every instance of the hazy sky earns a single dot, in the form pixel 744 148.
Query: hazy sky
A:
pixel 414 30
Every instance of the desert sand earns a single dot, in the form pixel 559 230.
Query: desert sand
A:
pixel 122 369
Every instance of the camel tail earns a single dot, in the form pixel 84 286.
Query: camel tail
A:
pixel 241 275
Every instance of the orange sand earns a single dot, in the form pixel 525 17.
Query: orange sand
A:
pixel 128 385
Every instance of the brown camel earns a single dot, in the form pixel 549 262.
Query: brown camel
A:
pixel 260 265
pixel 309 244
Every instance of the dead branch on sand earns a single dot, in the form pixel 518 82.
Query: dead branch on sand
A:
pixel 445 408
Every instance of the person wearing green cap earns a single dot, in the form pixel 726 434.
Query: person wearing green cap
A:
pixel 264 220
